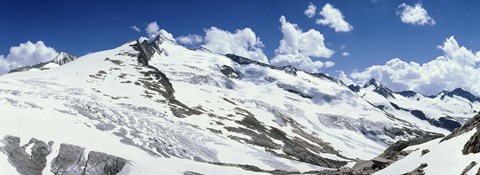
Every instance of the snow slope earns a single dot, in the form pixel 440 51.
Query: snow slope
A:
pixel 440 113
pixel 446 155
pixel 170 110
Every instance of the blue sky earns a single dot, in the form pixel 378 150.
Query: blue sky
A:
pixel 378 33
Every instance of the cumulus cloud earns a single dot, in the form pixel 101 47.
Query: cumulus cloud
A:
pixel 297 47
pixel 333 17
pixel 135 28
pixel 415 15
pixel 189 39
pixel 457 67
pixel 242 42
pixel 26 54
pixel 345 54
pixel 344 78
pixel 311 10
pixel 153 30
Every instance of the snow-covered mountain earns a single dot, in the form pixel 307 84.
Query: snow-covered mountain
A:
pixel 440 113
pixel 61 59
pixel 155 107
pixel 456 153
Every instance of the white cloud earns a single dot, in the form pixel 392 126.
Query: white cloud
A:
pixel 457 67
pixel 333 17
pixel 344 78
pixel 329 64
pixel 343 46
pixel 135 28
pixel 311 10
pixel 416 15
pixel 189 39
pixel 345 54
pixel 26 54
pixel 296 48
pixel 153 30
pixel 242 42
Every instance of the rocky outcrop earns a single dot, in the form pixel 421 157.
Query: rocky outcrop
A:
pixel 31 163
pixel 468 126
pixel 229 72
pixel 69 161
pixel 389 156
pixel 103 164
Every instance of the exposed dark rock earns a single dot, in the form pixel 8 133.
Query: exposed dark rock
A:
pixel 148 48
pixel 69 161
pixel 25 163
pixel 103 164
pixel 425 151
pixel 418 170
pixel 473 144
pixel 354 88
pixel 390 155
pixel 461 93
pixel 468 126
pixel 288 69
pixel 379 88
pixel 407 93
pixel 469 167
pixel 229 72
pixel 398 107
pixel 293 148
pixel 448 123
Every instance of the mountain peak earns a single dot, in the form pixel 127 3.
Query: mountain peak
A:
pixel 372 82
pixel 379 88
pixel 461 93
pixel 63 58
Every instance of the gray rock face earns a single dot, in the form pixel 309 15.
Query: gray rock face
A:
pixel 25 163
pixel 103 164
pixel 69 161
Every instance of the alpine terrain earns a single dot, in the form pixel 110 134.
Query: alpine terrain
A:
pixel 152 106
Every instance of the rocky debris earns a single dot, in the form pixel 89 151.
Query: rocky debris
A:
pixel 425 151
pixel 390 155
pixel 418 170
pixel 293 148
pixel 25 163
pixel 469 167
pixel 69 161
pixel 103 164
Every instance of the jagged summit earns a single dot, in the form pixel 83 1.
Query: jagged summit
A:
pixel 61 59
pixel 461 93
pixel 379 88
